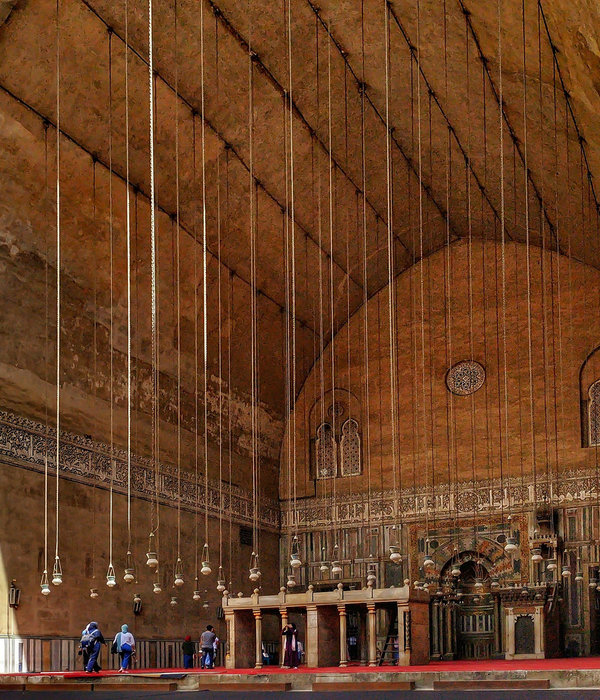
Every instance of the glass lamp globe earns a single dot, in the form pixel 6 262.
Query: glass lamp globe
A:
pixel 336 569
pixel 93 592
pixel 511 545
pixel 196 595
pixel 156 588
pixel 173 601
pixel 395 555
pixel 536 555
pixel 295 561
pixel 205 570
pixel 45 589
pixel 428 561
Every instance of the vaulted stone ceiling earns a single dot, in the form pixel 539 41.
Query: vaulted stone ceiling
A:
pixel 459 124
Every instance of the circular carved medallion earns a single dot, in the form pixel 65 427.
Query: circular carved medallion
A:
pixel 465 377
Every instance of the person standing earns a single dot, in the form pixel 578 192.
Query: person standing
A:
pixel 189 651
pixel 83 650
pixel 207 641
pixel 125 646
pixel 290 633
pixel 93 641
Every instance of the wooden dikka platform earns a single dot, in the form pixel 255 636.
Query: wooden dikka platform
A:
pixel 325 634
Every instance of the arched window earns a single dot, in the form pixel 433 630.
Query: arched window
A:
pixel 350 448
pixel 326 451
pixel 594 414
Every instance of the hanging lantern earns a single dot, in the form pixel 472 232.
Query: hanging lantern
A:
pixel 511 545
pixel 137 599
pixel 196 595
pixel 324 568
pixel 455 571
pixel 336 568
pixel 254 568
pixel 93 592
pixel 129 576
pixel 566 571
pixel 173 602
pixel 295 561
pixel 536 555
pixel 205 604
pixel 151 556
pixel 479 584
pixel 525 591
pixel 44 585
pixel 395 555
pixel 57 572
pixel 371 577
pixel 220 580
pixel 579 577
pixel 178 572
pixel 427 562
pixel 156 588
pixel 551 565
pixel 291 582
pixel 593 583
pixel 495 584
pixel 111 578
pixel 205 570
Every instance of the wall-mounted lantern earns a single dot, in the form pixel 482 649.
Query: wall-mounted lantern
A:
pixel 14 595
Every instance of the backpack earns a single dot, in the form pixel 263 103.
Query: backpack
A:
pixel 87 640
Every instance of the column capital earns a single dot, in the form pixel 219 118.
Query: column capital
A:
pixel 371 607
pixel 341 608
pixel 257 612
pixel 311 607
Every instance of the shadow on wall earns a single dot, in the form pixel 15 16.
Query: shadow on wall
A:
pixel 12 647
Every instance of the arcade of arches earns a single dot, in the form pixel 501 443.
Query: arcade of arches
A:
pixel 312 296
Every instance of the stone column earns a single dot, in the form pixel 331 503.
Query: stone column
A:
pixel 343 636
pixel 538 626
pixel 372 633
pixel 284 620
pixel 312 636
pixel 509 633
pixel 449 645
pixel 230 656
pixel 498 622
pixel 435 618
pixel 258 639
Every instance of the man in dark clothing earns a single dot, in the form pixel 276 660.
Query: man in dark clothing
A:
pixel 189 650
pixel 207 641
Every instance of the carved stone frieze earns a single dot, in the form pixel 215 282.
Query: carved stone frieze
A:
pixel 23 443
pixel 573 487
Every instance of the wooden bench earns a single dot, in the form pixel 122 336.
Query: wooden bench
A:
pixel 508 684
pixel 362 685
pixel 12 686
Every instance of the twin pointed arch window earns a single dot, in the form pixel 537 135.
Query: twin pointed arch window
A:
pixel 593 414
pixel 337 449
